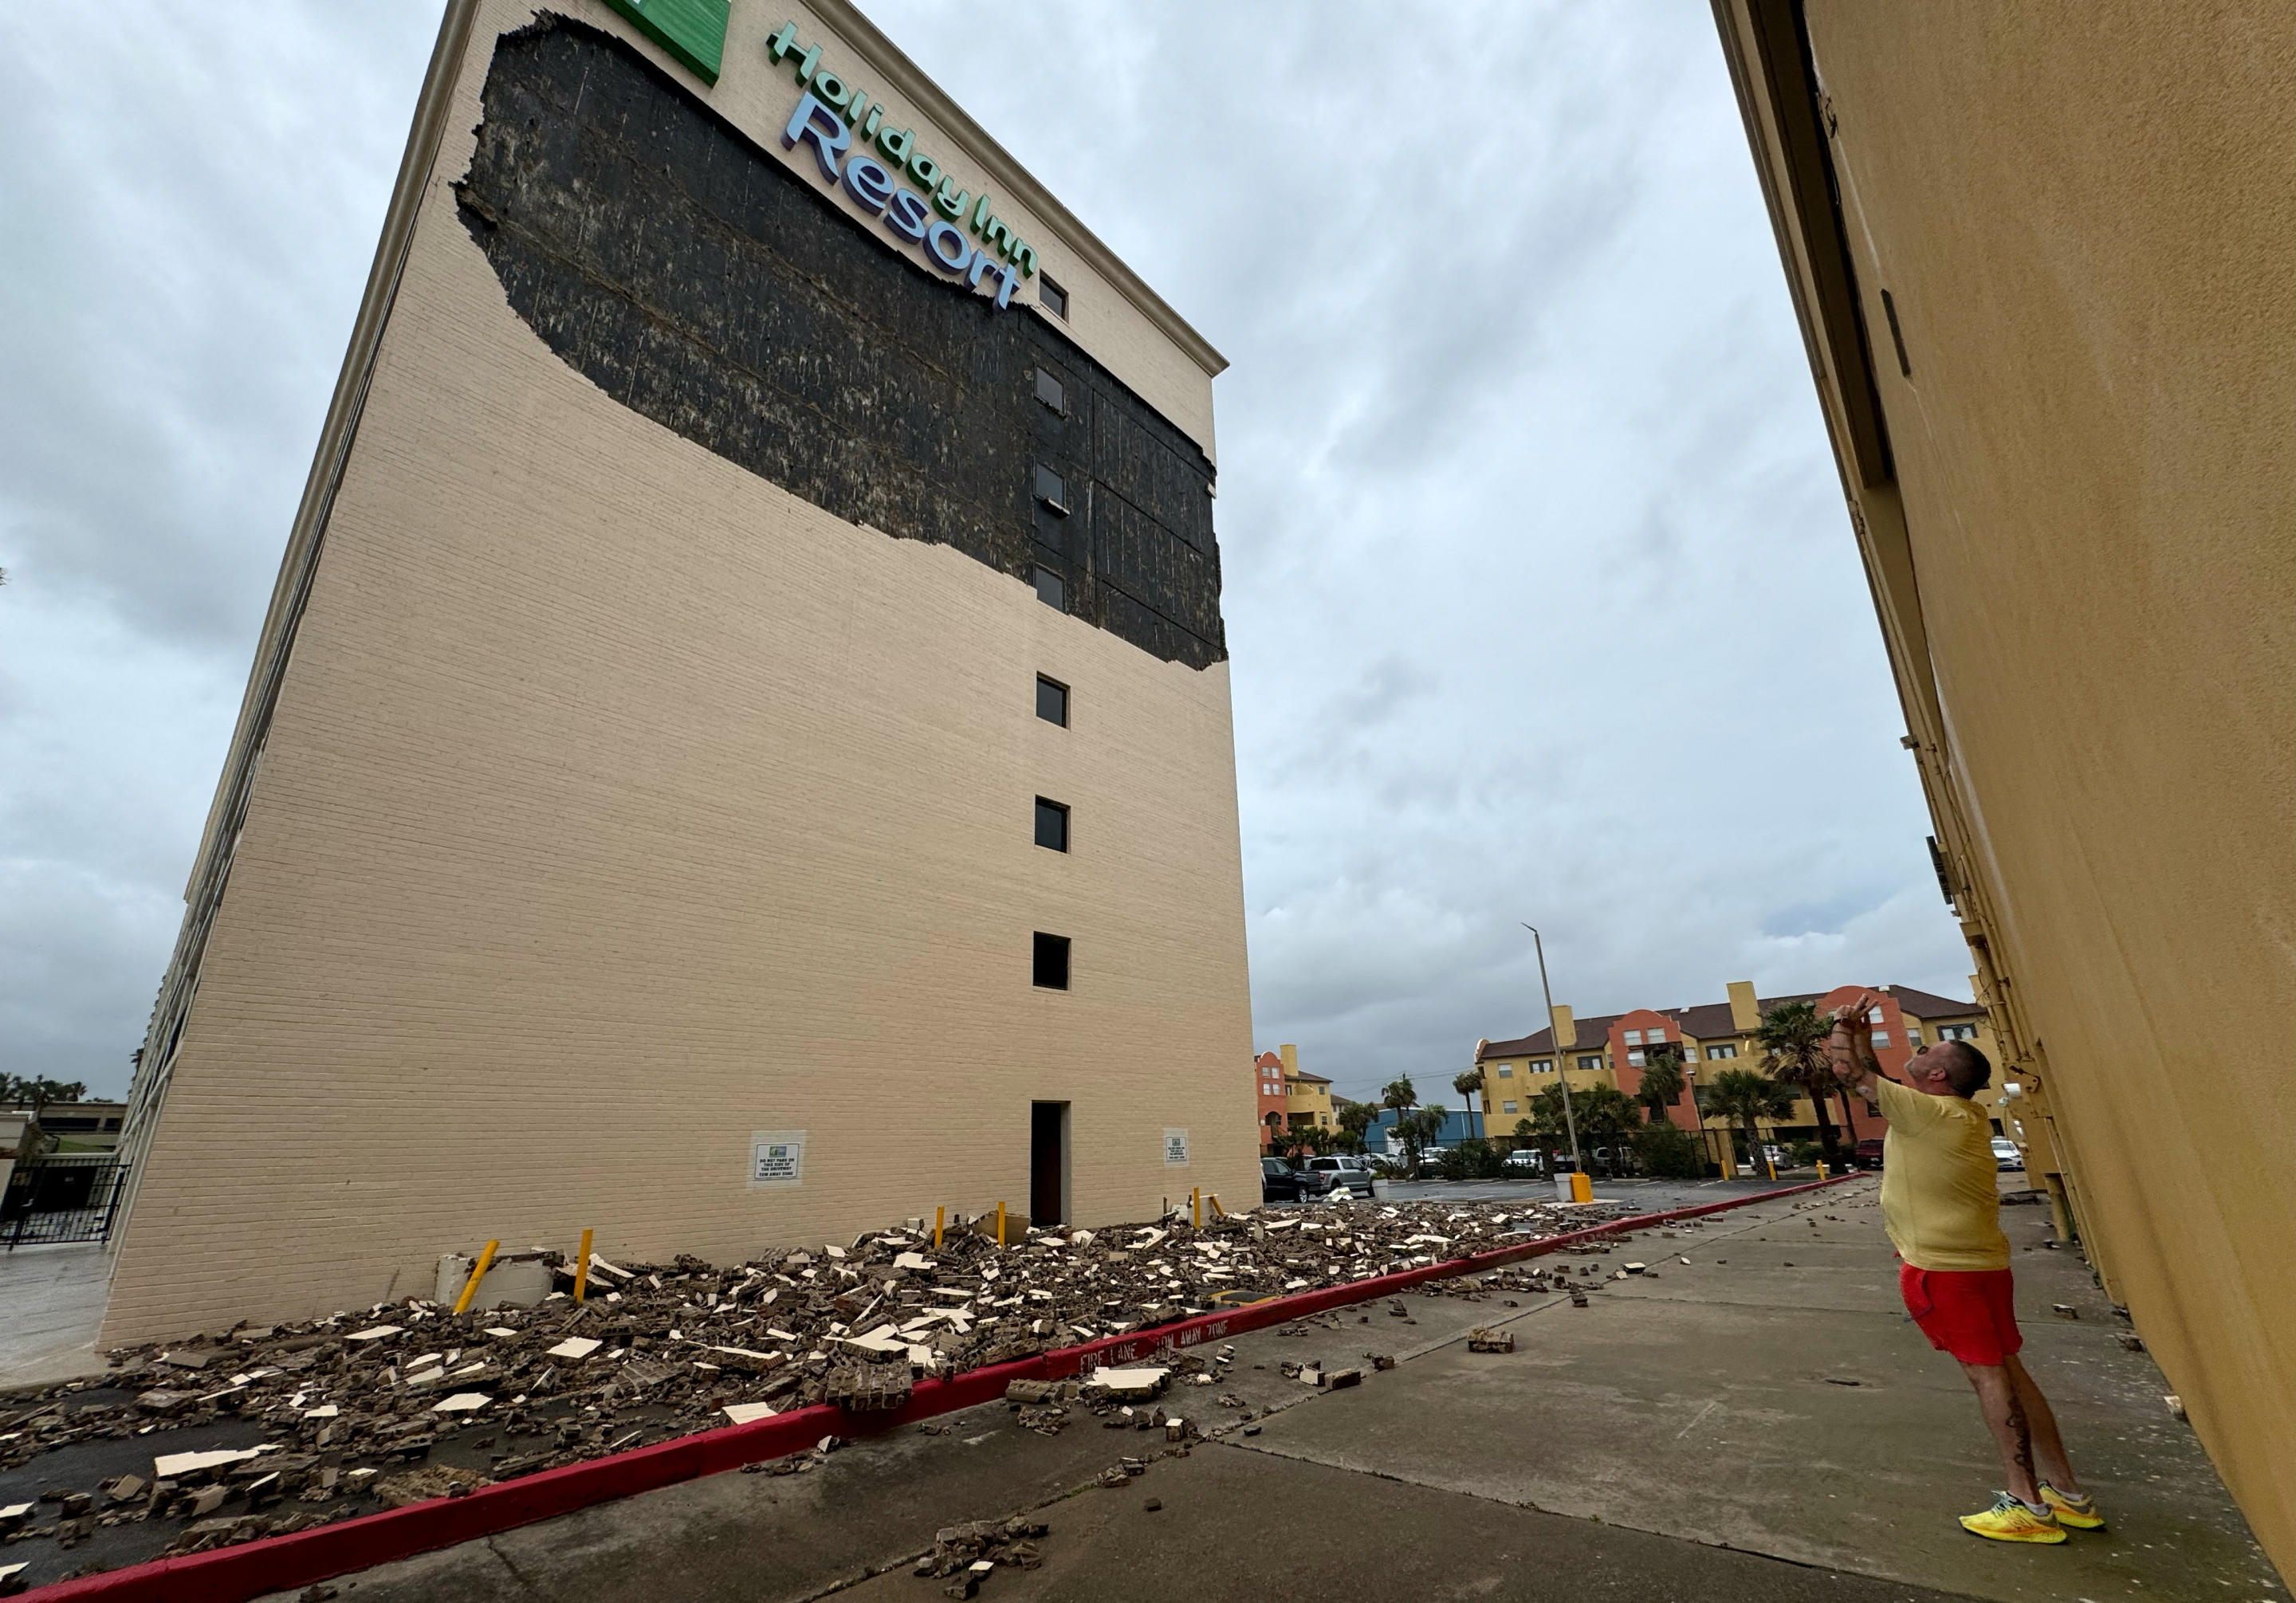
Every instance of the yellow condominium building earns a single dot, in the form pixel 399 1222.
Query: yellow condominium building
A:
pixel 754 619
pixel 2041 257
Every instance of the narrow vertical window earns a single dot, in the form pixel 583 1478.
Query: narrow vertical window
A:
pixel 1052 825
pixel 1050 590
pixel 1051 971
pixel 1055 298
pixel 1051 701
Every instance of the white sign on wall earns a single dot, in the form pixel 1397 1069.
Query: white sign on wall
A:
pixel 1175 1147
pixel 776 1158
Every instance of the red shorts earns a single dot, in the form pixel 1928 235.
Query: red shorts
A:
pixel 1969 1313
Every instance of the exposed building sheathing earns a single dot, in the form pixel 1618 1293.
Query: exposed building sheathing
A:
pixel 705 285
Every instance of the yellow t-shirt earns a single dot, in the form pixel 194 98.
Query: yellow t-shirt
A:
pixel 1941 1201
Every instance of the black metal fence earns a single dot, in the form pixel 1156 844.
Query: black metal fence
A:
pixel 66 1196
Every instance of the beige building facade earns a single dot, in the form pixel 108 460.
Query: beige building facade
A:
pixel 2041 260
pixel 725 651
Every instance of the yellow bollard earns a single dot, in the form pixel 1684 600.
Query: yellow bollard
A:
pixel 477 1274
pixel 582 1268
pixel 1217 1212
pixel 1196 1207
pixel 1582 1186
pixel 1000 1224
pixel 1821 1169
pixel 940 1214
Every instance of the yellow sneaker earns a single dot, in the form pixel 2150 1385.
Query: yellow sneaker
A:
pixel 2010 1520
pixel 2079 1513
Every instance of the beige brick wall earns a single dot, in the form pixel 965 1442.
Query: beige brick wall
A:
pixel 618 804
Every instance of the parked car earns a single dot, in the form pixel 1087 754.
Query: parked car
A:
pixel 1346 1174
pixel 2005 1156
pixel 1524 1161
pixel 1279 1181
pixel 1386 1164
pixel 1867 1154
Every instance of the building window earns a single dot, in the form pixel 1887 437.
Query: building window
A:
pixel 1052 825
pixel 1957 1032
pixel 1724 1049
pixel 1590 1063
pixel 1633 1037
pixel 1051 392
pixel 1881 1037
pixel 1052 962
pixel 1055 298
pixel 1635 1058
pixel 1506 1071
pixel 1051 489
pixel 1050 590
pixel 1913 1035
pixel 1542 1067
pixel 1507 1106
pixel 1051 700
pixel 1689 1052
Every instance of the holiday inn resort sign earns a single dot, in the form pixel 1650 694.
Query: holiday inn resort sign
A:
pixel 839 122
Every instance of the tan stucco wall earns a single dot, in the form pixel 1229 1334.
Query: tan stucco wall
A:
pixel 2086 219
pixel 618 805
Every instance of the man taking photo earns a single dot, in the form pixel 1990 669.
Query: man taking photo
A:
pixel 1941 1205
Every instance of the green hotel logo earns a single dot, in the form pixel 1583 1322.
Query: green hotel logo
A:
pixel 693 31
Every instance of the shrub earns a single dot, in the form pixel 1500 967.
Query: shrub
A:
pixel 1805 1154
pixel 1670 1153
pixel 1474 1158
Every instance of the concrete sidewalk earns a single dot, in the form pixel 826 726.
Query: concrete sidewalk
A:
pixel 1686 1437
pixel 52 1300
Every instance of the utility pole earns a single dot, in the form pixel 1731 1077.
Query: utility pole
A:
pixel 1562 1063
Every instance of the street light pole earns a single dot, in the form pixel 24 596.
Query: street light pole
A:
pixel 1561 1064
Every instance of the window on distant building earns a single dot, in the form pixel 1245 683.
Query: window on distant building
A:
pixel 1635 1058
pixel 1051 701
pixel 1913 1035
pixel 1875 1016
pixel 1633 1037
pixel 1542 1067
pixel 1051 969
pixel 1051 489
pixel 1689 1052
pixel 1507 1106
pixel 1590 1063
pixel 1722 1049
pixel 1050 590
pixel 1051 392
pixel 1055 298
pixel 1506 1071
pixel 1881 1037
pixel 1957 1032
pixel 1052 825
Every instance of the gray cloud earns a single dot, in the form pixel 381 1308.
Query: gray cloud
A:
pixel 1541 597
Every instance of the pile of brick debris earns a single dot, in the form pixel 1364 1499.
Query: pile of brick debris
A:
pixel 352 1409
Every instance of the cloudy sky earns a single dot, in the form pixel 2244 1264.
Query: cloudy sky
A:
pixel 1542 601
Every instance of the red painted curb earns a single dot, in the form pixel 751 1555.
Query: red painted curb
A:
pixel 282 1563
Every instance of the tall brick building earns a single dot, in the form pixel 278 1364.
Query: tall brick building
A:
pixel 752 632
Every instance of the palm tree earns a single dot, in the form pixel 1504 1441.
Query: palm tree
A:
pixel 1469 1082
pixel 1601 1110
pixel 1355 1118
pixel 1748 1098
pixel 1792 1038
pixel 1662 1081
pixel 1398 1097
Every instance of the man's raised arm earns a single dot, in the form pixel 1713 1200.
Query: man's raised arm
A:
pixel 1851 1045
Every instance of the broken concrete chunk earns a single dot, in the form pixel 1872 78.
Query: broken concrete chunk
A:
pixel 743 1413
pixel 2064 1310
pixel 1483 1339
pixel 375 1332
pixel 1132 1385
pixel 462 1403
pixel 575 1346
